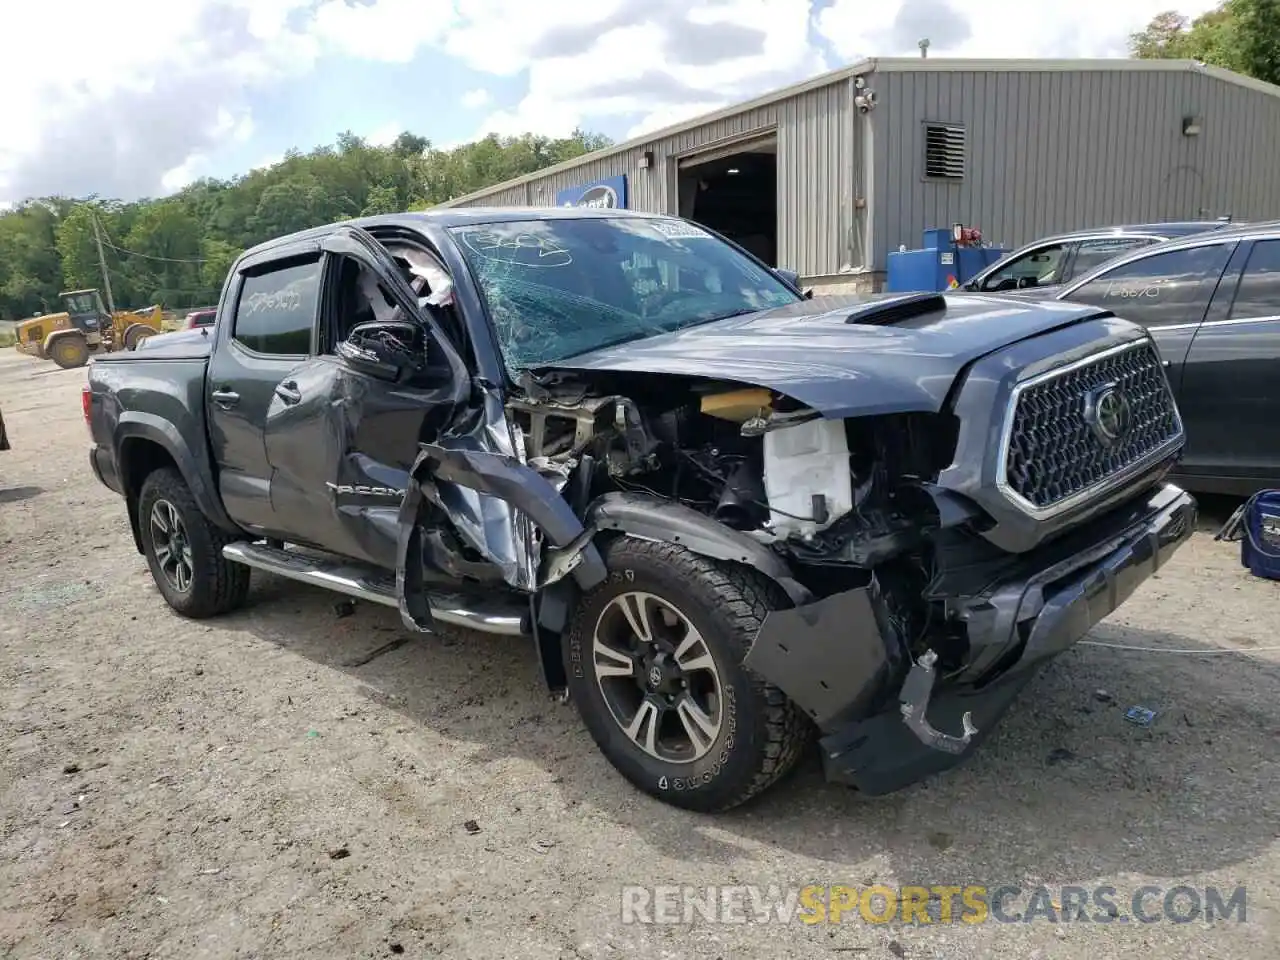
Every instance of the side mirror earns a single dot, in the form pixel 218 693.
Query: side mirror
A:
pixel 789 277
pixel 387 350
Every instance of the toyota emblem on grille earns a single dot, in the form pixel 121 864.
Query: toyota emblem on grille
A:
pixel 1107 412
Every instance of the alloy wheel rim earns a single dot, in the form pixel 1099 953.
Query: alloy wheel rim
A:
pixel 172 546
pixel 657 677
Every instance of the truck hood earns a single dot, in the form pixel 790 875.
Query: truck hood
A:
pixel 1048 291
pixel 819 353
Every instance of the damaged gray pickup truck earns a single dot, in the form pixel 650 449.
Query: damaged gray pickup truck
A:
pixel 729 516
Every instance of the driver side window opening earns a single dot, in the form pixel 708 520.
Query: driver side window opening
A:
pixel 358 297
pixel 1039 267
pixel 433 286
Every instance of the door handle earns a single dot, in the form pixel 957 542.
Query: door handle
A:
pixel 288 392
pixel 225 398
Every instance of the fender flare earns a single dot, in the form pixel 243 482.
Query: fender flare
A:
pixel 651 518
pixel 62 334
pixel 136 425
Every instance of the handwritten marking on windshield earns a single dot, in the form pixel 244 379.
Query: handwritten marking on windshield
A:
pixel 521 249
pixel 676 230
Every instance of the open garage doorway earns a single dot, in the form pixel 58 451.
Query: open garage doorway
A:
pixel 734 191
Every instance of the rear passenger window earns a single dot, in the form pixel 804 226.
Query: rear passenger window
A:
pixel 277 309
pixel 1092 254
pixel 1160 289
pixel 1259 292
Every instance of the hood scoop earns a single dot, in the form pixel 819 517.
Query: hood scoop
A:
pixel 886 312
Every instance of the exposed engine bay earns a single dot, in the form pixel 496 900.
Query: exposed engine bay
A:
pixel 840 501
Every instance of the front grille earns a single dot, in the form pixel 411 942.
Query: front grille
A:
pixel 1058 450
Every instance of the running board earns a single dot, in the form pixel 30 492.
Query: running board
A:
pixel 375 586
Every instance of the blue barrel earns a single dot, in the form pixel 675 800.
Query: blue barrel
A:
pixel 1257 526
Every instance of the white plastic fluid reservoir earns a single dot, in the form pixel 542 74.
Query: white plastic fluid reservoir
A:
pixel 803 460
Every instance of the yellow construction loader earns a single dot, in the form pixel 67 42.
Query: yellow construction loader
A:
pixel 85 327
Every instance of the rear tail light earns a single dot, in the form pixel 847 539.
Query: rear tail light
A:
pixel 86 401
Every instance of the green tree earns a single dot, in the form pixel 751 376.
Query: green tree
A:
pixel 30 266
pixel 218 258
pixel 177 250
pixel 78 248
pixel 1239 35
pixel 163 262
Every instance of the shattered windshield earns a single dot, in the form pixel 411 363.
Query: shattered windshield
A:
pixel 560 287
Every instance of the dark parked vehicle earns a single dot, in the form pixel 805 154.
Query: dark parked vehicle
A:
pixel 725 514
pixel 1052 261
pixel 1212 304
pixel 200 318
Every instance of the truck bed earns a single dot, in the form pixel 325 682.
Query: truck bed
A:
pixel 177 345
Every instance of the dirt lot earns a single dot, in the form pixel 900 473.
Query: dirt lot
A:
pixel 288 782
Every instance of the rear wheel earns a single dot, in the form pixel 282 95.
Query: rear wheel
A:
pixel 184 550
pixel 70 351
pixel 654 659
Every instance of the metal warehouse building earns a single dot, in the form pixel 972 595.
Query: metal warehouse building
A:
pixel 827 176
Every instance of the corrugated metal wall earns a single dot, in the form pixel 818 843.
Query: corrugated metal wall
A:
pixel 817 150
pixel 1062 150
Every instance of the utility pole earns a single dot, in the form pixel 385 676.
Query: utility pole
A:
pixel 102 262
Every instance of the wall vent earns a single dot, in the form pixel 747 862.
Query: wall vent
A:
pixel 943 151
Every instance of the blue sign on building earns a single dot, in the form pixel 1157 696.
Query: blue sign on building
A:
pixel 608 194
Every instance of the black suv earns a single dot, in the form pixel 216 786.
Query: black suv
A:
pixel 1211 301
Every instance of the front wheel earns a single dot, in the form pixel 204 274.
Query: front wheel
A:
pixel 654 659
pixel 70 351
pixel 184 550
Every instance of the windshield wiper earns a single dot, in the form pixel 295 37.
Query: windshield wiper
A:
pixel 718 317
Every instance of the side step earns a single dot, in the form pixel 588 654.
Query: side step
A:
pixel 503 616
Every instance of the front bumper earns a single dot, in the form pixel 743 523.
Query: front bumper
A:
pixel 1013 631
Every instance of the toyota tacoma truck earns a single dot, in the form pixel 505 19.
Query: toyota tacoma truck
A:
pixel 728 517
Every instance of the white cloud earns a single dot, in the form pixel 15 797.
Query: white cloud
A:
pixel 174 89
pixel 387 30
pixel 178 89
pixel 992 28
pixel 667 116
pixel 386 134
pixel 658 59
pixel 184 173
pixel 270 160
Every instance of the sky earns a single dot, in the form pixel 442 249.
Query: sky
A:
pixel 134 98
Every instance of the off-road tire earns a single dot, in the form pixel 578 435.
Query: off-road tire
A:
pixel 136 334
pixel 763 733
pixel 68 352
pixel 218 585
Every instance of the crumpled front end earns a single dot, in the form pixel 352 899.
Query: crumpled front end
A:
pixel 887 721
pixel 1058 511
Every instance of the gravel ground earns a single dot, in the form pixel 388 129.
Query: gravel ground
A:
pixel 288 782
